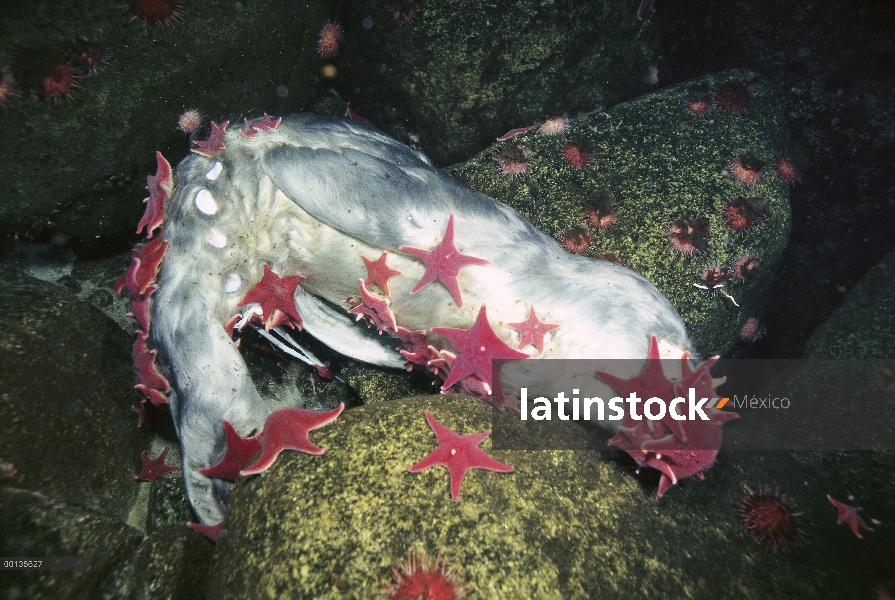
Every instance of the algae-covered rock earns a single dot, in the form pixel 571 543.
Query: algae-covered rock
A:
pixel 167 565
pixel 655 164
pixel 451 76
pixel 863 324
pixel 66 392
pixel 564 524
pixel 79 166
pixel 37 526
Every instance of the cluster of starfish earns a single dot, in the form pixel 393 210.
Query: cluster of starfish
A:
pixel 140 281
pixel 678 449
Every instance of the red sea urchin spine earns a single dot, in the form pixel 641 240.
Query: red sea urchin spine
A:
pixel 416 582
pixel 770 519
pixel 512 161
pixel 160 13
pixel 688 236
pixel 787 171
pixel 577 154
pixel 742 214
pixel 330 37
pixel 575 240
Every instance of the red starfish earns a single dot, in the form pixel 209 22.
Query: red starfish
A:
pixel 156 397
pixel 144 267
pixel 849 514
pixel 459 453
pixel 265 123
pixel 532 331
pixel 160 187
pixel 215 142
pixel 141 412
pixel 678 449
pixel 287 429
pixel 476 348
pixel 239 452
pixel 443 263
pixel 140 307
pixel 274 292
pixel 375 309
pixel 144 365
pixel 379 273
pixel 155 467
pixel 212 532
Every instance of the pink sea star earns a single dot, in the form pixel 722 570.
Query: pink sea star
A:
pixel 476 348
pixel 379 273
pixel 237 455
pixel 532 331
pixel 458 453
pixel 849 514
pixel 678 449
pixel 144 365
pixel 274 293
pixel 287 429
pixel 253 127
pixel 153 468
pixel 375 309
pixel 215 141
pixel 443 263
pixel 212 532
pixel 160 187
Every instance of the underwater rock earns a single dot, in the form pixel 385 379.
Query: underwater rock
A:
pixel 659 177
pixel 67 424
pixel 862 326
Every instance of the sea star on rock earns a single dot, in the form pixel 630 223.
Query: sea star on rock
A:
pixel 287 429
pixel 532 331
pixel 160 187
pixel 153 468
pixel 443 263
pixel 274 293
pixel 215 141
pixel 849 514
pixel 379 273
pixel 476 348
pixel 458 453
pixel 237 455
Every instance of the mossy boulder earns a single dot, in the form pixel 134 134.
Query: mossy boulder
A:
pixel 564 524
pixel 863 325
pixel 66 392
pixel 461 73
pixel 653 161
pixel 39 526
pixel 79 167
pixel 170 564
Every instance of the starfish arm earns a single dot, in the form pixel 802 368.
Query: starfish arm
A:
pixel 238 453
pixel 212 532
pixel 287 429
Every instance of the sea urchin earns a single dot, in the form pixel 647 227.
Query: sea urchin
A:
pixel 770 519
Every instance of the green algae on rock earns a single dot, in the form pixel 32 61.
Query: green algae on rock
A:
pixel 67 424
pixel 653 162
pixel 79 167
pixel 563 525
pixel 463 73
